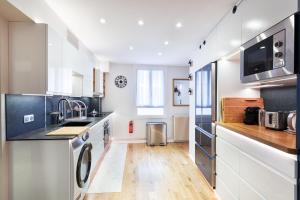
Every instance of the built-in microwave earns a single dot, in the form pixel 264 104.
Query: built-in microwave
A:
pixel 270 54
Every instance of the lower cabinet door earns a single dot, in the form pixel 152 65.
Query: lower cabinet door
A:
pixel 265 180
pixel 206 164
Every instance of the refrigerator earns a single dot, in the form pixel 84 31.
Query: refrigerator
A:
pixel 205 118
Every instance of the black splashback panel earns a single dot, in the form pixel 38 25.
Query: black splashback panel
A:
pixel 19 105
pixel 280 98
pixel 41 106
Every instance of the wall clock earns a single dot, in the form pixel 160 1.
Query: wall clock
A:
pixel 121 81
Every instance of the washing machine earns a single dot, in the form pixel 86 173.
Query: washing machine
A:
pixel 81 165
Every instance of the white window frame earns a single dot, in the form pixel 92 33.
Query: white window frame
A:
pixel 150 110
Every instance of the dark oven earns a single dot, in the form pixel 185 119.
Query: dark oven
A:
pixel 270 54
pixel 205 154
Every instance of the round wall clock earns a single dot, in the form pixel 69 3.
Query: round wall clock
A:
pixel 120 81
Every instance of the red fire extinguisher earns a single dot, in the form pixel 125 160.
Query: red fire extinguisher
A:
pixel 130 127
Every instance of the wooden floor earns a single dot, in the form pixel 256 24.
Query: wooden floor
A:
pixel 159 173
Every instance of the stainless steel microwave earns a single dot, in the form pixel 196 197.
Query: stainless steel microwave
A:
pixel 271 54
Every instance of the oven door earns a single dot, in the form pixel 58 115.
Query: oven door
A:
pixel 84 165
pixel 270 55
pixel 206 164
pixel 206 140
pixel 259 57
pixel 205 154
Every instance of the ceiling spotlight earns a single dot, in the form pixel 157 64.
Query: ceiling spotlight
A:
pixel 178 25
pixel 166 43
pixel 141 23
pixel 102 21
pixel 159 54
pixel 130 48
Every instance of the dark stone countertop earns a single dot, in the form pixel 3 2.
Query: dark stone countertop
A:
pixel 41 134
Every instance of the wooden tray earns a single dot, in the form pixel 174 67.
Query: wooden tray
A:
pixel 69 131
pixel 233 109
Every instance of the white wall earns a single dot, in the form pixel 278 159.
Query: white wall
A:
pixel 123 101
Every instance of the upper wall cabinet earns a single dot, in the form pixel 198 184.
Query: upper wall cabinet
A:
pixel 36 60
pixel 229 33
pixel 98 80
pixel 251 18
pixel 258 16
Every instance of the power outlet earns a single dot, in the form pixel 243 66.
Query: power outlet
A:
pixel 28 118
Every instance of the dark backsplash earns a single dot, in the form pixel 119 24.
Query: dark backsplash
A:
pixel 41 106
pixel 280 98
pixel 19 105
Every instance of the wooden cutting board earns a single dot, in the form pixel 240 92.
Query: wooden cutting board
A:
pixel 233 109
pixel 69 131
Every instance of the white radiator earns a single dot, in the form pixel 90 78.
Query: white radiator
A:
pixel 181 128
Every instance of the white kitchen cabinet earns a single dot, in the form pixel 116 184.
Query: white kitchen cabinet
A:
pixel 247 169
pixel 98 82
pixel 258 16
pixel 252 18
pixel 81 64
pixel 229 33
pixel 96 138
pixel 35 60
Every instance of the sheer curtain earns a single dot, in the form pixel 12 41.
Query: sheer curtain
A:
pixel 157 88
pixel 150 88
pixel 143 88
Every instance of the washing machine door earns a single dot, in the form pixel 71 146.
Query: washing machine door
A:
pixel 84 165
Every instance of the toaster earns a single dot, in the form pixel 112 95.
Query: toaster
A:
pixel 276 120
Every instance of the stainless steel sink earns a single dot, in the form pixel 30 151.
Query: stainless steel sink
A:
pixel 82 123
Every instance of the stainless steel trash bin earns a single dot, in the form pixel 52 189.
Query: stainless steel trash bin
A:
pixel 156 133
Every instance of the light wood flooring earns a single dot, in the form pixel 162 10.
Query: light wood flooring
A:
pixel 159 173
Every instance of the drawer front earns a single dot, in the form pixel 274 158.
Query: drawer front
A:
pixel 248 193
pixel 222 190
pixel 265 180
pixel 283 162
pixel 228 176
pixel 206 141
pixel 206 164
pixel 228 153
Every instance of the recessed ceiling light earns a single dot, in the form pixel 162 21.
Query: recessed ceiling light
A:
pixel 166 42
pixel 178 25
pixel 141 23
pixel 102 21
pixel 159 53
pixel 130 48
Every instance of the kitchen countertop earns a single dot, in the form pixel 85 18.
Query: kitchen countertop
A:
pixel 41 134
pixel 281 140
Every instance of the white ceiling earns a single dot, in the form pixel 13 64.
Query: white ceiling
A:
pixel 111 41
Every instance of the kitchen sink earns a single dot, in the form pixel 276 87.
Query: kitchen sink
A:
pixel 85 123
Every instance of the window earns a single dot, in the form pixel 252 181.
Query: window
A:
pixel 150 92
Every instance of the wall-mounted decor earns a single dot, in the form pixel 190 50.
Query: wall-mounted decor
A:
pixel 121 81
pixel 190 62
pixel 180 92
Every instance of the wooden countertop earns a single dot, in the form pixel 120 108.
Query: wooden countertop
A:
pixel 281 140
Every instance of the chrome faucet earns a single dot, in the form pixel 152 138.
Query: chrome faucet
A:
pixel 63 111
pixel 80 109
